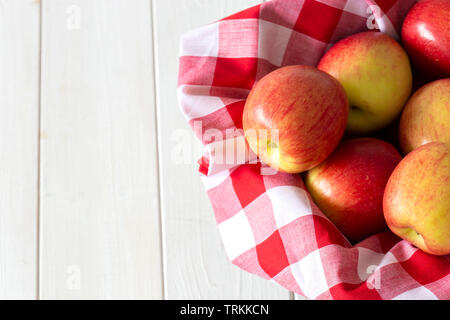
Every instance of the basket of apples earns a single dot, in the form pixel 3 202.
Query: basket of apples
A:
pixel 326 127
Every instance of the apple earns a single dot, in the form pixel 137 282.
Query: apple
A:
pixel 305 107
pixel 376 74
pixel 426 37
pixel 426 116
pixel 417 198
pixel 348 186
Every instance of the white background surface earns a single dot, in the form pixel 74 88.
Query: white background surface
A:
pixel 92 203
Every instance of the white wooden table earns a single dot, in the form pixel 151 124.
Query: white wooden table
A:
pixel 92 203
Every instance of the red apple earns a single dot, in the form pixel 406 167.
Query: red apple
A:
pixel 417 198
pixel 306 107
pixel 426 116
pixel 426 37
pixel 348 187
pixel 376 74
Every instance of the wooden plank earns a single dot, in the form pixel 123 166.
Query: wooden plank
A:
pixel 19 136
pixel 196 266
pixel 100 236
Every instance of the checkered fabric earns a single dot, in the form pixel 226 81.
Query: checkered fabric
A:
pixel 268 222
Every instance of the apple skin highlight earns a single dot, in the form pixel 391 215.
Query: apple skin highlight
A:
pixel 309 109
pixel 349 185
pixel 426 37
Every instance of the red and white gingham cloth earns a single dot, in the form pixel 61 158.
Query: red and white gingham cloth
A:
pixel 268 223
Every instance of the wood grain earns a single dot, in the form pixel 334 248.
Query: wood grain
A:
pixel 99 192
pixel 196 266
pixel 100 228
pixel 19 108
